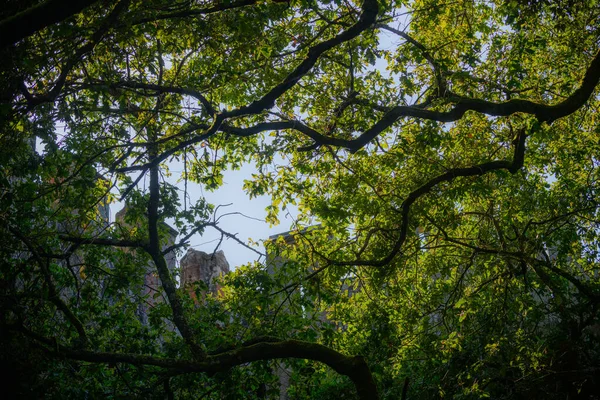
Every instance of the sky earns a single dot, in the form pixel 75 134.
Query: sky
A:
pixel 250 225
pixel 246 220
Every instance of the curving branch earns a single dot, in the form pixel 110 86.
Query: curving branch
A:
pixel 543 113
pixel 166 89
pixel 370 8
pixel 220 126
pixel 368 16
pixel 261 349
pixel 583 288
pixel 477 170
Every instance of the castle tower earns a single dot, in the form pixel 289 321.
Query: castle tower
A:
pixel 199 266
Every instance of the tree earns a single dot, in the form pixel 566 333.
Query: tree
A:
pixel 449 153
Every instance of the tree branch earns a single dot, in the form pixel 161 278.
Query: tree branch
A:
pixel 166 281
pixel 477 170
pixel 38 17
pixel 168 89
pixel 354 368
pixel 543 112
pixel 103 242
pixel 370 8
pixel 441 84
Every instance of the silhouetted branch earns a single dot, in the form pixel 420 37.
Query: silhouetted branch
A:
pixel 103 241
pixel 37 17
pixel 154 249
pixel 354 368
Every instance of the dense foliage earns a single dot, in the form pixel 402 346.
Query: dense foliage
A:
pixel 448 151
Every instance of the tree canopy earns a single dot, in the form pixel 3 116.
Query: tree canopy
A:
pixel 449 153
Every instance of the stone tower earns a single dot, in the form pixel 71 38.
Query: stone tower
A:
pixel 199 266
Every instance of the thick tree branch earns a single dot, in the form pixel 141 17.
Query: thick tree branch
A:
pixel 168 89
pixel 583 288
pixel 241 132
pixel 38 17
pixel 354 368
pixel 370 9
pixel 543 112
